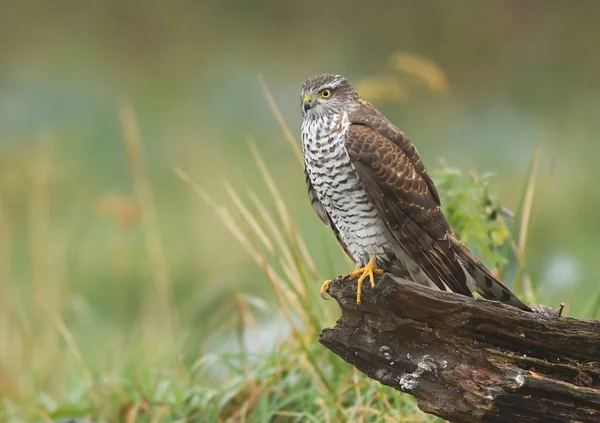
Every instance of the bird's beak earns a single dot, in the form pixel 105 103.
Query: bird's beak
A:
pixel 307 103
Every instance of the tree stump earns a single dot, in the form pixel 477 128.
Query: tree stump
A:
pixel 469 360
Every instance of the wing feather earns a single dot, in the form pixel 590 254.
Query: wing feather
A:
pixel 368 116
pixel 403 193
pixel 399 186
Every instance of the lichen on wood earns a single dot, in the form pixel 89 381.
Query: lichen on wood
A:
pixel 469 360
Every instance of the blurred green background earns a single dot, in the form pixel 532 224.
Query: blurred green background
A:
pixel 76 257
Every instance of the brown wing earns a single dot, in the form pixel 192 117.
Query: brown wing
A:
pixel 397 183
pixel 322 213
pixel 369 116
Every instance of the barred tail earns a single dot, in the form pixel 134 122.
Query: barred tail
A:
pixel 481 280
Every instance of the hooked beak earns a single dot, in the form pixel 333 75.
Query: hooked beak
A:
pixel 307 103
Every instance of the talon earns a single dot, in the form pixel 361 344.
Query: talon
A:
pixel 323 290
pixel 362 272
pixel 368 271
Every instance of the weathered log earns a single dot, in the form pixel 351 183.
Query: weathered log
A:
pixel 470 360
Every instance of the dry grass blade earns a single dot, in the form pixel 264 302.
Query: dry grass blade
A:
pixel 355 378
pixel 145 197
pixel 525 213
pixel 325 407
pixel 288 294
pixel 224 216
pixel 159 413
pixel 282 247
pixel 245 321
pixel 291 235
pixel 528 202
pixel 38 221
pixel 6 242
pixel 306 257
pixel 382 88
pixel 45 416
pixel 293 270
pixel 289 267
pixel 283 295
pixel 287 133
pixel 364 410
pixel 255 226
pixel 276 196
pixel 6 245
pixel 72 344
pixel 423 69
pixel 240 414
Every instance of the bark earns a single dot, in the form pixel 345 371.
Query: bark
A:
pixel 470 360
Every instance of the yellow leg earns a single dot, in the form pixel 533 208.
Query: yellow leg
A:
pixel 368 271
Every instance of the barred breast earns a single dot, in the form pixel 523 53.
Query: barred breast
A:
pixel 339 190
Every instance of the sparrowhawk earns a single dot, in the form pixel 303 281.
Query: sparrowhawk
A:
pixel 367 182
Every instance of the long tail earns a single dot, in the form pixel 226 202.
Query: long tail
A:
pixel 480 279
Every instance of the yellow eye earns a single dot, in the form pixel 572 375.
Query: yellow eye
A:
pixel 325 93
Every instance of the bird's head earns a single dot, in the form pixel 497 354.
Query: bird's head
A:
pixel 326 95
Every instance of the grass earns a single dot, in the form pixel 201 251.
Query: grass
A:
pixel 250 360
pixel 153 371
pixel 303 375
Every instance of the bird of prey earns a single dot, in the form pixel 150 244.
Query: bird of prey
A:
pixel 366 182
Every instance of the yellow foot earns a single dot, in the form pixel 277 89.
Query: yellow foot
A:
pixel 368 271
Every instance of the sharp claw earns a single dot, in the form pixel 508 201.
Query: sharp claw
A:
pixel 369 271
pixel 324 289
